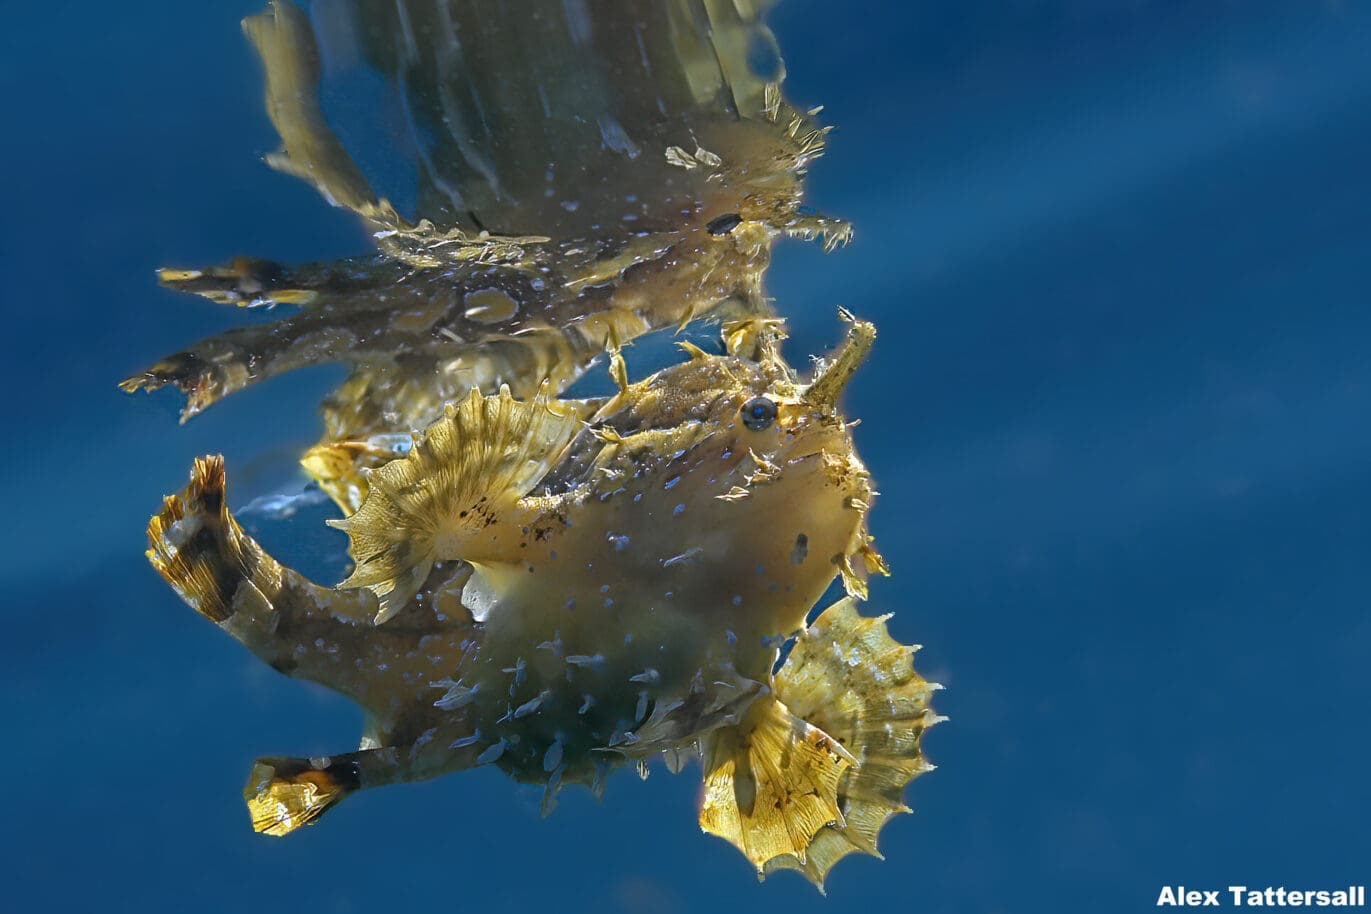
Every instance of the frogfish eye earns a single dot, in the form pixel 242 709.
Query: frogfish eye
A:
pixel 758 413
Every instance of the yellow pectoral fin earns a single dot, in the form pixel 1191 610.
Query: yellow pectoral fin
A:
pixel 847 675
pixel 456 495
pixel 771 783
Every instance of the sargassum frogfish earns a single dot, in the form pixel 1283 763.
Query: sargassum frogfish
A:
pixel 562 587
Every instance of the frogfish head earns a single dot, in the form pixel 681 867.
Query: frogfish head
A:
pixel 737 480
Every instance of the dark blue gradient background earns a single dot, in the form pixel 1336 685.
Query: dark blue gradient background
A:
pixel 1118 253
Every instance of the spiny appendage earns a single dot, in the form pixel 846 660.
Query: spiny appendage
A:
pixel 804 142
pixel 847 676
pixel 199 549
pixel 858 564
pixel 425 246
pixel 451 496
pixel 756 338
pixel 860 560
pixel 284 794
pixel 354 443
pixel 831 375
pixel 771 783
pixel 223 364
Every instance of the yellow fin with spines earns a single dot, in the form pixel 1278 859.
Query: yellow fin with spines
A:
pixel 846 675
pixel 771 783
pixel 284 794
pixel 456 494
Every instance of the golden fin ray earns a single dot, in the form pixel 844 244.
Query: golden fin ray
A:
pixel 847 676
pixel 455 494
pixel 771 783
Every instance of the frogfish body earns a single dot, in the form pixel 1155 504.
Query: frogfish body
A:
pixel 562 587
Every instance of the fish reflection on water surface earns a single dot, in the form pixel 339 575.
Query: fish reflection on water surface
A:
pixel 556 586
pixel 583 179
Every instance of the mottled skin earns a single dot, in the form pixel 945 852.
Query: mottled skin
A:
pixel 642 561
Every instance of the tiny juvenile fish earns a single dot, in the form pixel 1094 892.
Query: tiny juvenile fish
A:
pixel 515 602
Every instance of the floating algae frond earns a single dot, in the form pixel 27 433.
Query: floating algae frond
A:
pixel 558 587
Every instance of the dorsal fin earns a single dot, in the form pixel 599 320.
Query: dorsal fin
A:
pixel 456 494
pixel 847 675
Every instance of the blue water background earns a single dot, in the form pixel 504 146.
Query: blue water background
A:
pixel 1118 253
